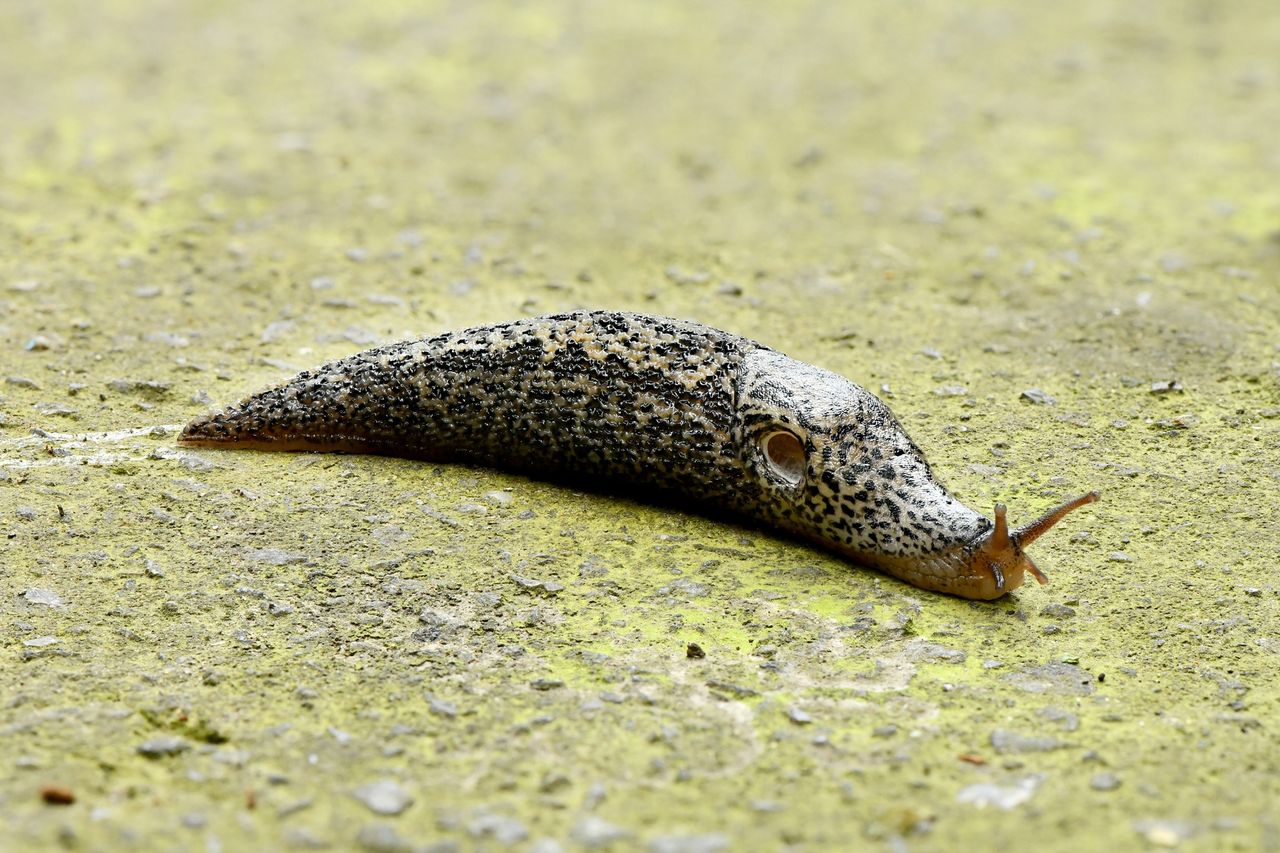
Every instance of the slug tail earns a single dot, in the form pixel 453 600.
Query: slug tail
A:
pixel 237 429
pixel 335 410
pixel 219 429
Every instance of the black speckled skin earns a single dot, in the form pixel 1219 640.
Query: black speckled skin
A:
pixel 629 399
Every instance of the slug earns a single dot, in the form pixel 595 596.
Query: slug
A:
pixel 629 399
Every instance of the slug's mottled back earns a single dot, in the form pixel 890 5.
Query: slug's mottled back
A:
pixel 618 397
pixel 629 399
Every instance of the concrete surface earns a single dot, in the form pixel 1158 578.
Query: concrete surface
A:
pixel 246 651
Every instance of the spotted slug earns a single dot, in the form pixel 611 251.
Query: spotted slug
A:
pixel 622 399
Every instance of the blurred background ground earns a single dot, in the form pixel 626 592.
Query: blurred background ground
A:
pixel 1047 234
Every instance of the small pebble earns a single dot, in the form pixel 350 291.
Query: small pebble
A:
pixel 159 747
pixel 593 832
pixel 1008 742
pixel 546 683
pixel 411 238
pixel 1040 398
pixel 502 829
pixel 983 794
pixel 537 584
pixel 382 838
pixel 58 409
pixel 143 387
pixel 274 556
pixel 1105 781
pixel 276 330
pixel 546 845
pixel 384 796
pixel 1163 833
pixel 686 277
pixel 553 781
pixel 301 838
pixel 45 597
pixel 710 843
pixel 799 716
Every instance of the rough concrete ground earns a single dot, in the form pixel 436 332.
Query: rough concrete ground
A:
pixel 1047 235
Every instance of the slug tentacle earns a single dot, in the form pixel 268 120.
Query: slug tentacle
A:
pixel 1001 553
pixel 663 404
pixel 998 543
pixel 1029 533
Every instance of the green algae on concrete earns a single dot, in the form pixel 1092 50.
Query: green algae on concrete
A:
pixel 952 206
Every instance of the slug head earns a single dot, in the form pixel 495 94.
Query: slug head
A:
pixel 834 465
pixel 999 564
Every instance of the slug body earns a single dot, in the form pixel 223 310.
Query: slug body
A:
pixel 629 399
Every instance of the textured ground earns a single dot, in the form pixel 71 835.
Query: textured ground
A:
pixel 243 651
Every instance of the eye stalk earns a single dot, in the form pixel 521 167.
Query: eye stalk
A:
pixel 998 542
pixel 1029 533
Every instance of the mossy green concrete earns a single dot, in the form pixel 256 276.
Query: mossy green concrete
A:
pixel 950 205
